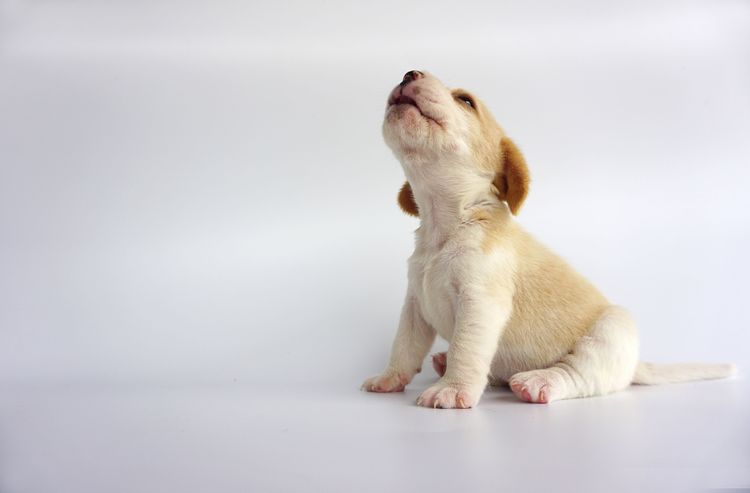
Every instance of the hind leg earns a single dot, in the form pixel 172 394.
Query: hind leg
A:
pixel 603 361
pixel 440 363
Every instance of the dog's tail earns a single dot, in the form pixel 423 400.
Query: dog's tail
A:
pixel 656 374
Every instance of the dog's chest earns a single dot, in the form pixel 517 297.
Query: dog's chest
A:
pixel 432 275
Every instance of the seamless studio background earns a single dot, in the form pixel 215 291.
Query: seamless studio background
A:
pixel 198 221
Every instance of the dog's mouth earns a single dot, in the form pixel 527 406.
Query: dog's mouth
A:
pixel 405 100
pixel 402 99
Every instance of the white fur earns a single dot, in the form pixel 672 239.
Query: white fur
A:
pixel 511 309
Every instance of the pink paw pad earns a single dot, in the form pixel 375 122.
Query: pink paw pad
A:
pixel 463 400
pixel 441 396
pixel 395 382
pixel 532 387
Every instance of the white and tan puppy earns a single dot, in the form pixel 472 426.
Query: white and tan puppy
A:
pixel 512 310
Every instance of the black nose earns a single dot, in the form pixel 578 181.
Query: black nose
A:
pixel 411 75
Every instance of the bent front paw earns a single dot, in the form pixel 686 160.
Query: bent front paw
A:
pixel 389 381
pixel 444 395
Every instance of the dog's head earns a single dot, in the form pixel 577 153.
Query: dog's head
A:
pixel 448 135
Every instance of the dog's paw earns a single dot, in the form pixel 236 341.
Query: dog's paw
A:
pixel 389 381
pixel 537 386
pixel 440 363
pixel 444 395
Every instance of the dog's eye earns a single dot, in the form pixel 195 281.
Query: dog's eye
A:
pixel 467 100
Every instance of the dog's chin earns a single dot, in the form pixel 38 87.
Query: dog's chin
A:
pixel 409 133
pixel 406 127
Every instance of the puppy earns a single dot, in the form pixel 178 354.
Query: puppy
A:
pixel 512 310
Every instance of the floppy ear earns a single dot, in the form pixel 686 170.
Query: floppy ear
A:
pixel 406 200
pixel 512 180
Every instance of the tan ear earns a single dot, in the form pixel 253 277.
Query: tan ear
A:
pixel 406 200
pixel 512 181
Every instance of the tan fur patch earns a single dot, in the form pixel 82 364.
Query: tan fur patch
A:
pixel 506 160
pixel 406 200
pixel 512 182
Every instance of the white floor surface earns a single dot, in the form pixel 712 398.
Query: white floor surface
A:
pixel 244 438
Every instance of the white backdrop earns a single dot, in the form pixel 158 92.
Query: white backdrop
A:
pixel 198 192
pixel 195 191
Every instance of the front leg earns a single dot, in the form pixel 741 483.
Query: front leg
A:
pixel 413 340
pixel 481 315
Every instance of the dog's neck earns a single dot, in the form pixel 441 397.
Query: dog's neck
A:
pixel 446 197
